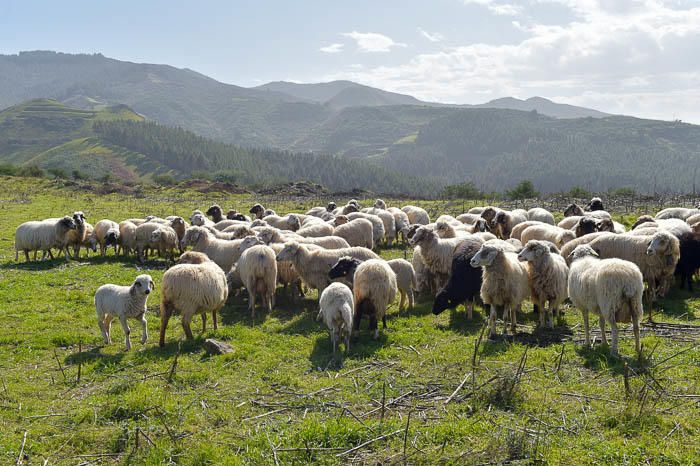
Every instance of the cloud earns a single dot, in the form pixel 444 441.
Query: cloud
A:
pixel 333 48
pixel 431 36
pixel 611 53
pixel 372 41
pixel 498 8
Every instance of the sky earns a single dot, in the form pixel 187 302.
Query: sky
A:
pixel 635 57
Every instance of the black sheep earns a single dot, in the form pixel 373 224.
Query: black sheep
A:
pixel 215 213
pixel 585 225
pixel 689 261
pixel 595 204
pixel 464 283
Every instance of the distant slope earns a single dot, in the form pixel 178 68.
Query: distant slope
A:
pixel 543 106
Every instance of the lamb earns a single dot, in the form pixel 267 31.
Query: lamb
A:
pixel 257 268
pixel 656 256
pixel 336 307
pixel 223 253
pixel 436 252
pixel 123 302
pixel 165 240
pixel 610 288
pixel 358 232
pixel 400 220
pixel 42 236
pixel 541 215
pixel 505 284
pixel 377 225
pixel 464 283
pixel 416 215
pixel 192 289
pixel 127 237
pixel 388 221
pixel 676 212
pixel 107 233
pixel 595 204
pixel 374 288
pixel 405 281
pixel 313 264
pixel 289 222
pixel 505 221
pixel 548 274
pixel 556 235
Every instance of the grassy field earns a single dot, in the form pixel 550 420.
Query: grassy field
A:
pixel 428 391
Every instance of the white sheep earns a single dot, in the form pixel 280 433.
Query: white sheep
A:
pixel 518 229
pixel 610 288
pixel 270 235
pixel 287 275
pixel 405 281
pixel 388 221
pixel 548 277
pixel 315 229
pixel 378 231
pixel 558 236
pixel 107 233
pixel 127 237
pixel 401 221
pixel 123 302
pixel 541 215
pixel 143 240
pixel 288 222
pixel 425 279
pixel 436 253
pixel 42 236
pixel 223 252
pixel 358 232
pixel 505 284
pixel 676 212
pixel 165 240
pixel 468 219
pixel 257 268
pixel 336 311
pixel 569 247
pixel 416 215
pixel 445 229
pixel 192 289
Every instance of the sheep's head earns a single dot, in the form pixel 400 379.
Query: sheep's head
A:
pixel 573 210
pixel 233 215
pixel 486 255
pixel 192 236
pixel 444 229
pixel 380 204
pixel 293 222
pixel 249 242
pixel 68 222
pixel 662 243
pixel 354 202
pixel 257 210
pixel 340 220
pixel 350 208
pixel 199 220
pixel 411 230
pixel 143 284
pixel 586 225
pixel 500 218
pixel 595 204
pixel 79 217
pixel 642 220
pixel 482 225
pixel 565 236
pixel 421 234
pixel 112 237
pixel 534 250
pixel 194 213
pixel 214 211
pixel 489 213
pixel 267 234
pixel 290 250
pixel 177 222
pixel 331 206
pixel 581 251
pixel 156 235
pixel 604 224
pixel 345 267
pixel 193 257
pixel 442 302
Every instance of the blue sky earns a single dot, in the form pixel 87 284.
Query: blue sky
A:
pixel 639 57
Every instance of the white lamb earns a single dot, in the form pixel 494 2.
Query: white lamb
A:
pixel 336 310
pixel 257 268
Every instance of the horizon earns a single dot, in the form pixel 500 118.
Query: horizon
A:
pixel 634 58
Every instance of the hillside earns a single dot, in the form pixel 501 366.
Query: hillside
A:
pixel 543 106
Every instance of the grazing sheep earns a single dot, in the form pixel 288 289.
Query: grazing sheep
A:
pixel 143 239
pixel 215 213
pixel 192 289
pixel 518 229
pixel 556 235
pixel 464 283
pixel 377 225
pixel 387 219
pixel 289 222
pixel 223 253
pixel 573 210
pixel 257 268
pixel 610 288
pixel 416 215
pixel 676 212
pixel 505 221
pixel 42 236
pixel 164 239
pixel 436 253
pixel 313 264
pixel 548 277
pixel 541 215
pixel 405 281
pixel 107 234
pixel 595 204
pixel 505 284
pixel 358 232
pixel 336 311
pixel 569 247
pixel 123 302
pixel 374 288
pixel 127 237
pixel 316 230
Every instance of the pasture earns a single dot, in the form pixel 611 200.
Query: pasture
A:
pixel 432 389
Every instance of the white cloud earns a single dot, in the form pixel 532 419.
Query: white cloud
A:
pixel 497 8
pixel 431 36
pixel 620 56
pixel 333 48
pixel 372 41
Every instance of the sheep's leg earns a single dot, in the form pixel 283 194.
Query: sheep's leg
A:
pixel 186 319
pixel 144 329
pixel 470 309
pixel 402 300
pixel 410 299
pixel 550 316
pixel 541 311
pixel 165 313
pixel 586 328
pixel 103 250
pixel 251 300
pixel 635 327
pixel 384 321
pixel 492 320
pixel 513 319
pixel 602 329
pixel 334 340
pixel 505 312
pixel 613 331
pixel 213 318
pixel 347 341
pixel 356 322
pixel 103 329
pixel 127 331
pixel 26 255
pixel 108 327
pixel 204 322
pixel 373 326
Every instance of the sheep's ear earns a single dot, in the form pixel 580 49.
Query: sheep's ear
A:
pixel 151 285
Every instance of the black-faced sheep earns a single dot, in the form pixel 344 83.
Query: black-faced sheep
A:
pixel 464 283
pixel 215 213
pixel 505 221
pixel 595 204
pixel 573 210
pixel 107 234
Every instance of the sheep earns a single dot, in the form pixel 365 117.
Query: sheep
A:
pixel 336 307
pixel 609 225
pixel 416 215
pixel 489 213
pixel 42 236
pixel 318 210
pixel 107 233
pixel 377 225
pixel 642 219
pixel 676 212
pixel 90 242
pixel 192 289
pixel 192 257
pixel 347 209
pixel 223 253
pixel 215 213
pixel 436 253
pixel 556 235
pixel 380 204
pixel 573 210
pixel 518 229
pixel 136 221
pixel 446 230
pixel 287 276
pixel 505 283
pixel 239 231
pixel 123 302
pixel 143 240
pixel 316 230
pixel 273 235
pixel 595 204
pixel 610 288
pixel 541 215
pixel 387 219
pixel 468 219
pixel 200 220
pixel 656 256
pixel 464 283
pixel 401 221
pixel 127 237
pixel 257 268
pixel 233 214
pixel 425 279
pixel 358 232
pixel 569 247
pixel 289 222
pixel 313 264
pixel 548 275
pixel 224 224
pixel 505 221
pixel 693 219
pixel 77 237
pixel 374 288
pixel 689 262
pixel 165 240
pixel 585 226
pixel 258 211
pixel 405 281
pixel 570 221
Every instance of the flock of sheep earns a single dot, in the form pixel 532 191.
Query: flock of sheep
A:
pixel 500 257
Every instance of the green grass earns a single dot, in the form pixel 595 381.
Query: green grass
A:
pixel 282 389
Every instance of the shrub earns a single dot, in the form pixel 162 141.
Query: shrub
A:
pixel 31 171
pixel 524 190
pixel 164 180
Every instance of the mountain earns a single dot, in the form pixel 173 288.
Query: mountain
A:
pixel 543 106
pixel 117 142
